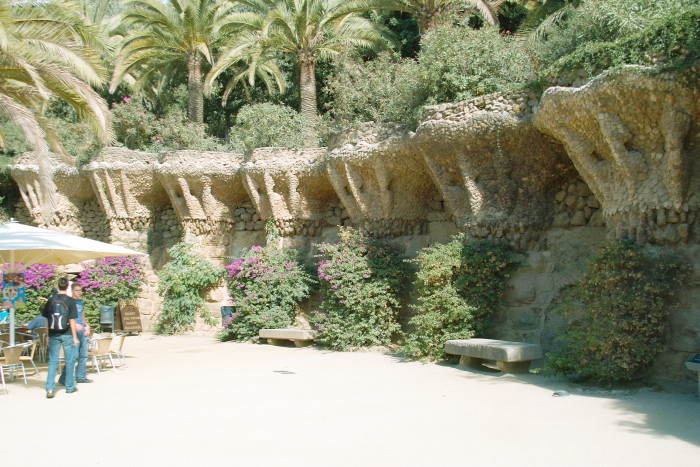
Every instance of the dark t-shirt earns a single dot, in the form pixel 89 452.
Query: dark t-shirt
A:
pixel 72 311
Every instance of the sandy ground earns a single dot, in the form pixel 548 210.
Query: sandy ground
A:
pixel 190 400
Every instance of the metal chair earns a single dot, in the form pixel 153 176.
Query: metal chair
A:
pixel 101 353
pixel 116 348
pixel 11 362
pixel 30 349
pixel 42 343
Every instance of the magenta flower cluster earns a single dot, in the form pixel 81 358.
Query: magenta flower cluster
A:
pixel 36 276
pixel 110 272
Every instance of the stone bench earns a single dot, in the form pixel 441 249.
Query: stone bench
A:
pixel 692 366
pixel 511 357
pixel 300 337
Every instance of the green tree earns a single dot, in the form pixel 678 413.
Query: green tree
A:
pixel 168 38
pixel 308 31
pixel 49 51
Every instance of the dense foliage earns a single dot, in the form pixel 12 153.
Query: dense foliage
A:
pixel 618 314
pixel 182 282
pixel 137 128
pixel 166 54
pixel 455 63
pixel 458 287
pixel 458 63
pixel 106 281
pixel 266 287
pixel 361 282
pixel 268 125
pixel 600 22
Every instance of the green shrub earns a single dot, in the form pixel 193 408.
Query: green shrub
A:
pixel 455 63
pixel 266 287
pixel 78 139
pixel 361 280
pixel 600 35
pixel 672 43
pixel 459 63
pixel 268 125
pixel 386 89
pixel 14 139
pixel 137 128
pixel 182 283
pixel 620 330
pixel 459 286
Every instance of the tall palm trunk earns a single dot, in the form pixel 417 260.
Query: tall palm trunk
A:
pixel 195 104
pixel 307 71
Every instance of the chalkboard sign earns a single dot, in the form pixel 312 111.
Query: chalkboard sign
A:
pixel 130 316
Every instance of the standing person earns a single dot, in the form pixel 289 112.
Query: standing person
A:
pixel 82 328
pixel 61 313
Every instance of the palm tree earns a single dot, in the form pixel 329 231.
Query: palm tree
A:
pixel 307 31
pixel 427 11
pixel 169 37
pixel 49 51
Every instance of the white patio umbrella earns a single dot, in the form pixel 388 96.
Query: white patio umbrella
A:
pixel 21 243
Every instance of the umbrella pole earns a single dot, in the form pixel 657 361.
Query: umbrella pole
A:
pixel 12 326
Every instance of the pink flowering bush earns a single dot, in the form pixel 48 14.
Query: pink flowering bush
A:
pixel 106 281
pixel 266 287
pixel 361 280
pixel 39 280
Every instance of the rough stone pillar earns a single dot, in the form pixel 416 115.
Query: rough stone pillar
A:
pixel 631 136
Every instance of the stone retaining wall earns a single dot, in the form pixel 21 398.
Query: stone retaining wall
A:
pixel 555 177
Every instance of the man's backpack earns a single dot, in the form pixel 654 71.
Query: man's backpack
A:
pixel 58 315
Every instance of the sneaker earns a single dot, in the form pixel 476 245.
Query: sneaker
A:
pixel 72 391
pixel 84 381
pixel 50 394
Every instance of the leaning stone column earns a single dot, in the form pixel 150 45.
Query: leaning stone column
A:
pixel 72 190
pixel 633 137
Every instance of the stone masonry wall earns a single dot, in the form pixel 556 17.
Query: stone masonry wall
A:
pixel 556 177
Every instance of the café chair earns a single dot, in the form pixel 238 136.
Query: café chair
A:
pixel 116 349
pixel 101 353
pixel 42 343
pixel 30 349
pixel 10 362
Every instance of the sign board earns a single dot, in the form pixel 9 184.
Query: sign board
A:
pixel 13 290
pixel 130 316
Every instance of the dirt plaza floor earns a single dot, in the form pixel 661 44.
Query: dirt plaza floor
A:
pixel 192 401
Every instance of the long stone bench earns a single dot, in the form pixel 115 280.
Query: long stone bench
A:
pixel 511 357
pixel 300 337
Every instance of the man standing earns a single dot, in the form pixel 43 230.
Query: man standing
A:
pixel 61 313
pixel 83 330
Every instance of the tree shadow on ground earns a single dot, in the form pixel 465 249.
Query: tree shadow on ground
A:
pixel 654 412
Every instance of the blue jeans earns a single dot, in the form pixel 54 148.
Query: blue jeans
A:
pixel 69 352
pixel 82 354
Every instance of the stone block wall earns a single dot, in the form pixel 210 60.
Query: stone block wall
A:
pixel 555 177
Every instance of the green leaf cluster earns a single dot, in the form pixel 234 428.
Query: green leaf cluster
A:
pixel 182 283
pixel 137 128
pixel 269 125
pixel 455 63
pixel 459 286
pixel 361 282
pixel 617 314
pixel 602 35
